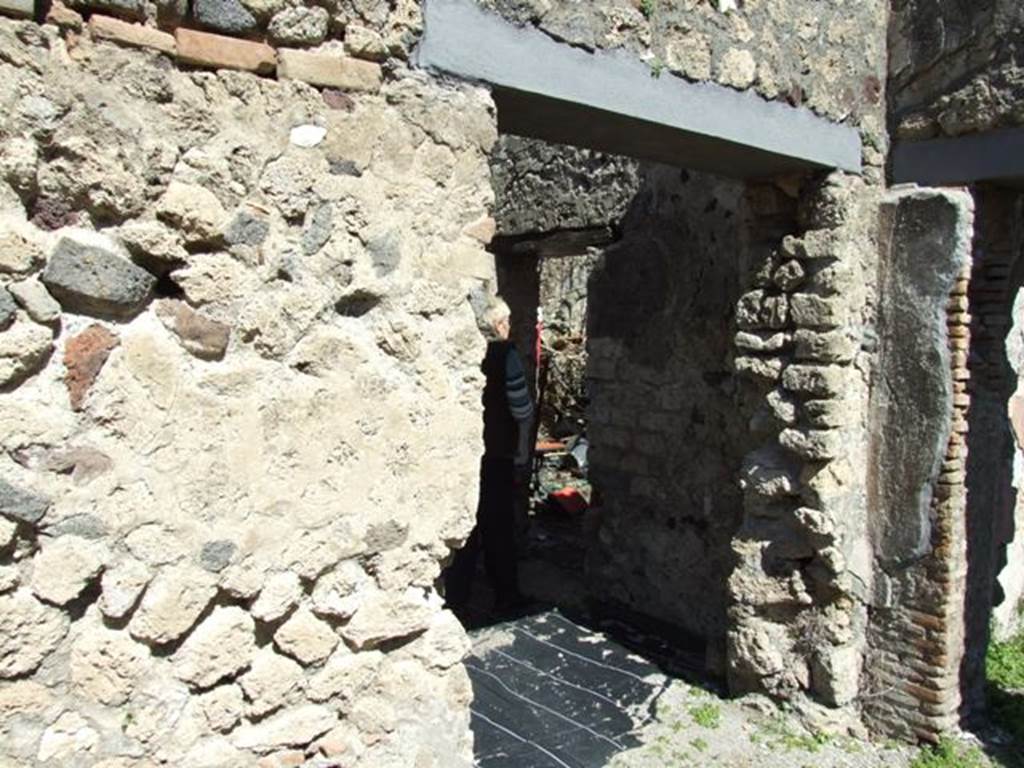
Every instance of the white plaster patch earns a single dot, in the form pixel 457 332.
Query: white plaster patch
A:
pixel 307 135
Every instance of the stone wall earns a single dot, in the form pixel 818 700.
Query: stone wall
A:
pixel 565 300
pixel 829 57
pixel 993 466
pixel 666 436
pixel 798 592
pixel 546 188
pixel 240 419
pixel 955 67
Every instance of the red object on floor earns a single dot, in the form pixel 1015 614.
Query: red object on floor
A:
pixel 569 500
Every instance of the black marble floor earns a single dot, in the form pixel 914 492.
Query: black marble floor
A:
pixel 550 693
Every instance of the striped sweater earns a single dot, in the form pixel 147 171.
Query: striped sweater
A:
pixel 508 408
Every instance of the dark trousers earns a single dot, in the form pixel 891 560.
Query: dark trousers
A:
pixel 495 534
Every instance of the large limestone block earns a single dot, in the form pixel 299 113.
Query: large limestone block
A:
pixel 24 347
pixel 18 253
pixel 222 707
pixel 33 297
pixel 122 585
pixel 67 740
pixel 269 681
pixel 65 566
pixel 279 595
pixel 306 638
pixel 927 237
pixel 105 664
pixel 293 728
pixel 444 644
pixel 29 632
pixel 172 604
pixel 385 616
pixel 88 278
pixel 195 211
pixel 336 593
pixel 345 676
pixel 153 243
pixel 218 649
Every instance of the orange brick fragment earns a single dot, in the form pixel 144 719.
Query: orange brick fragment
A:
pixel 208 50
pixel 126 33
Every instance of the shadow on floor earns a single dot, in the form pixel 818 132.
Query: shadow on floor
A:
pixel 553 692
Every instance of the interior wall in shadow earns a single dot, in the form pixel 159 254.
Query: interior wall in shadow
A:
pixel 666 436
pixel 991 497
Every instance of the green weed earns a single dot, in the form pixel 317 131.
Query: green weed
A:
pixel 706 715
pixel 948 754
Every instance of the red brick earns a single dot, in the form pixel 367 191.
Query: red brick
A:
pixel 207 50
pixel 126 33
pixel 84 357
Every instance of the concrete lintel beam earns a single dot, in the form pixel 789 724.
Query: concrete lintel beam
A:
pixel 994 156
pixel 610 100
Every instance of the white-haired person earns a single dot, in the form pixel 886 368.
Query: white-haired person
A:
pixel 508 415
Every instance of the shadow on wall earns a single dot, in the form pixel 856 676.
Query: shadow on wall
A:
pixel 666 436
pixel 995 570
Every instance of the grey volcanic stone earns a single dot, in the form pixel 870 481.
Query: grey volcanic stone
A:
pixel 926 241
pixel 216 555
pixel 247 229
pixel 93 281
pixel 225 16
pixel 8 309
pixel 132 9
pixel 85 526
pixel 318 229
pixel 20 504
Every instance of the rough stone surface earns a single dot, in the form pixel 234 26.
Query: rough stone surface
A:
pixel 279 595
pixel 306 638
pixel 579 188
pixel 65 567
pixel 173 602
pixel 928 243
pixel 300 25
pixel 18 254
pixel 153 243
pixel 219 648
pixel 24 348
pixel 293 727
pixel 382 617
pixel 8 309
pixel 229 16
pixel 204 338
pixel 20 504
pixel 122 584
pixel 269 682
pixel 33 297
pixel 106 665
pixel 84 357
pixel 304 447
pixel 193 210
pixel 92 280
pixel 30 632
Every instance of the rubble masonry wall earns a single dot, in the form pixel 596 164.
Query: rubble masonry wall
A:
pixel 240 417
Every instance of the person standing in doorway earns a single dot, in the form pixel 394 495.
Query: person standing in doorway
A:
pixel 508 415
